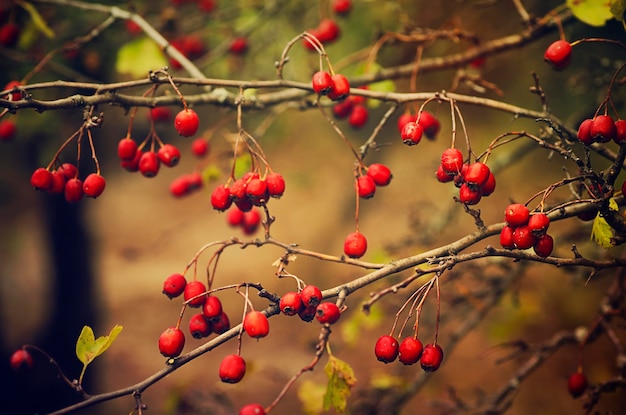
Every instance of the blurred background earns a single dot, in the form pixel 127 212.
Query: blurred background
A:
pixel 102 262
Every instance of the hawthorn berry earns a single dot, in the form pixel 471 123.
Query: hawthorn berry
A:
pixel 620 132
pixel 7 130
pixel 251 221
pixel 328 31
pixel 380 173
pixel 234 217
pixel 232 369
pixel 133 164
pixel 9 34
pixel 516 214
pixel 169 155
pixel 411 133
pixel 603 129
pixel 58 183
pixel 238 46
pixel 252 409
pixel 432 356
pixel 410 350
pixel 199 326
pixel 94 185
pixel 307 314
pixel 160 114
pixel 358 117
pixel 404 119
pixel 443 176
pixel 523 237
pixel 584 132
pixel 429 123
pixel 311 296
pixel 221 198
pixel 539 223
pixel 386 349
pixel 291 303
pixel 327 312
pixel 126 149
pixel 476 174
pixel 322 83
pixel 174 285
pixel 256 191
pixel 187 122
pixel 558 54
pixel 180 186
pixel 149 164
pixel 355 245
pixel 544 245
pixel 206 6
pixel 21 359
pixel 15 96
pixel 452 161
pixel 489 186
pixel 275 184
pixel 41 179
pixel 200 147
pixel 255 323
pixel 171 342
pixel 221 324
pixel 577 384
pixel 506 238
pixel 469 195
pixel 212 308
pixel 343 109
pixel 340 89
pixel 342 6
pixel 366 186
pixel 194 293
pixel 73 190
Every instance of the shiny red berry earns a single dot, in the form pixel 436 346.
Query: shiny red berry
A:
pixel 126 149
pixel 451 161
pixel 358 117
pixel 255 323
pixel 149 164
pixel 41 179
pixel 342 6
pixel 21 359
pixel 410 350
pixel 94 185
pixel 187 122
pixel 275 184
pixel 476 174
pixel 539 223
pixel 386 349
pixel 366 186
pixel 9 34
pixel 355 245
pixel 58 183
pixel 194 293
pixel 523 237
pixel 432 356
pixel 200 147
pixel 341 87
pixel 291 303
pixel 429 123
pixel 160 114
pixel 73 190
pixel 516 214
pixel 620 132
pixel 252 409
pixel 469 195
pixel 544 245
pixel 506 238
pixel 603 129
pixel 212 308
pixel 171 342
pixel 169 155
pixel 577 384
pixel 322 83
pixel 489 186
pixel 7 130
pixel 327 312
pixel 221 198
pixel 174 285
pixel 328 31
pixel 221 324
pixel 238 46
pixel 380 173
pixel 558 54
pixel 411 133
pixel 251 221
pixel 584 132
pixel 311 296
pixel 232 369
pixel 199 326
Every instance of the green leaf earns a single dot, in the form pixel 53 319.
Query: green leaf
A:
pixel 243 166
pixel 88 347
pixel 618 10
pixel 340 380
pixel 601 232
pixel 139 56
pixel 38 21
pixel 592 12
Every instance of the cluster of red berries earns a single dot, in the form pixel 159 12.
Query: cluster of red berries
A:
pixel 602 129
pixel 377 175
pixel 65 180
pixel 474 180
pixel 353 108
pixel 336 87
pixel 248 221
pixel 558 54
pixel 307 304
pixel 190 45
pixel 327 31
pixel 409 351
pixel 248 191
pixel 133 158
pixel 413 127
pixel 525 231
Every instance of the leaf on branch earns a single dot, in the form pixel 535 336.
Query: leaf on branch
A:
pixel 138 57
pixel 618 10
pixel 591 12
pixel 341 379
pixel 88 347
pixel 37 20
pixel 601 231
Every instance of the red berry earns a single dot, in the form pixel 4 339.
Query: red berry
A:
pixel 200 147
pixel 327 312
pixel 168 155
pixel 451 161
pixel 21 359
pixel 404 119
pixel 187 122
pixel 584 132
pixel 275 184
pixel 206 6
pixel 160 114
pixel 7 130
pixel 577 384
pixel 432 356
pixel 232 369
pixel 180 186
pixel 620 132
pixel 194 293
pixel 343 109
pixel 256 190
pixel 171 342
pixel 443 176
pixel 238 46
pixel 355 245
pixel 558 54
pixel 255 323
pixel 311 44
pixel 291 303
pixel 366 186
pixel 311 296
pixel 93 185
pixel 322 83
pixel 149 164
pixel 15 96
pixel 469 195
pixel 234 217
pixel 380 173
pixel 174 285
pixel 539 223
pixel 544 246
pixel 476 174
pixel 251 221
pixel 489 186
pixel 342 6
pixel 220 198
pixel 126 149
pixel 429 123
pixel 516 214
pixel 212 308
pixel 410 350
pixel 523 237
pixel 506 238
pixel 603 129
pixel 328 31
pixel 58 183
pixel 199 326
pixel 132 165
pixel 358 116
pixel 73 190
pixel 9 34
pixel 341 88
pixel 307 314
pixel 132 27
pixel 386 349
pixel 41 179
pixel 221 324
pixel 252 409
pixel 411 133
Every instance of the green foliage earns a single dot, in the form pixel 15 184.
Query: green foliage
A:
pixel 138 57
pixel 88 347
pixel 341 379
pixel 601 232
pixel 618 9
pixel 592 12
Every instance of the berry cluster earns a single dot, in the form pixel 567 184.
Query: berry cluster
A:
pixel 525 231
pixel 474 180
pixel 409 351
pixel 307 304
pixel 248 191
pixel 133 158
pixel 249 221
pixel 336 86
pixel 353 108
pixel 190 45
pixel 602 129
pixel 65 180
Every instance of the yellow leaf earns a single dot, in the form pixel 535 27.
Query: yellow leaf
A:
pixel 139 56
pixel 601 232
pixel 341 379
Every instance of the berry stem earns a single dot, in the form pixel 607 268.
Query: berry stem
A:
pixel 93 151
